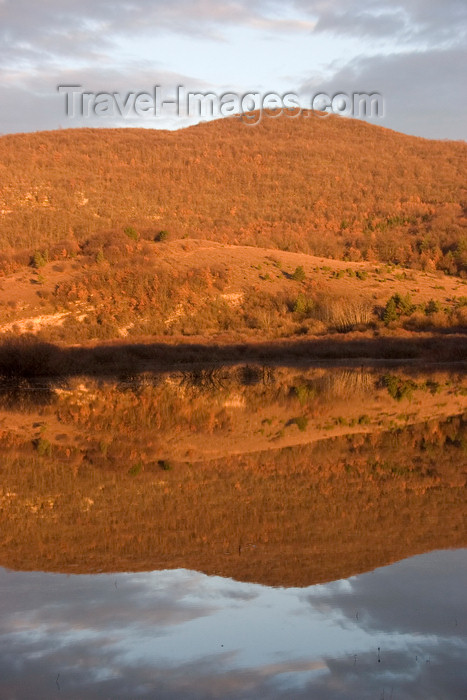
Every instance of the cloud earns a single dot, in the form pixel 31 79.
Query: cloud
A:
pixel 78 27
pixel 423 91
pixel 423 595
pixel 32 101
pixel 402 21
pixel 430 670
pixel 364 23
pixel 397 46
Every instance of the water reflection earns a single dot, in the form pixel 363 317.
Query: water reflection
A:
pixel 400 632
pixel 284 476
pixel 277 476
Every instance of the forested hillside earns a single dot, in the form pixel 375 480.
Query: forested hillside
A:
pixel 332 187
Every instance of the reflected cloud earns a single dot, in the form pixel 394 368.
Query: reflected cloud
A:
pixel 425 671
pixel 134 635
pixel 431 588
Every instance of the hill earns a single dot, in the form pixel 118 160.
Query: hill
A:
pixel 329 187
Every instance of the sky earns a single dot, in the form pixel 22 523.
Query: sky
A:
pixel 413 53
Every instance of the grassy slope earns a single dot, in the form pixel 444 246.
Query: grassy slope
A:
pixel 208 291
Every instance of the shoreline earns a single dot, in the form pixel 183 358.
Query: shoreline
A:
pixel 26 357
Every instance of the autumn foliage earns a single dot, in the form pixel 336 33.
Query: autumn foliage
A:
pixel 332 187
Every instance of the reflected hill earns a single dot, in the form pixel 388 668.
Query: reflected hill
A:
pixel 284 476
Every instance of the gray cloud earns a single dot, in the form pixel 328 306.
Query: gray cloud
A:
pixel 422 595
pixel 60 29
pixel 411 51
pixel 402 20
pixel 77 27
pixel 433 672
pixel 32 102
pixel 423 91
pixel 365 24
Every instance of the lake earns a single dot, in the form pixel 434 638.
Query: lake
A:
pixel 235 532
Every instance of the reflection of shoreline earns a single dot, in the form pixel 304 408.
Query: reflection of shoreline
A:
pixel 209 413
pixel 26 357
pixel 290 516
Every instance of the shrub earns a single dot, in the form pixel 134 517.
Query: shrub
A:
pixel 103 447
pixel 404 303
pixel 135 469
pixel 43 447
pixel 162 236
pixel 344 314
pixel 390 311
pixel 305 393
pixel 39 259
pixel 303 305
pixel 398 305
pixel 397 387
pixel 432 307
pixel 299 274
pixel 131 233
pixel 301 422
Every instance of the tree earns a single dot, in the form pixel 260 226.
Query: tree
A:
pixel 390 311
pixel 299 274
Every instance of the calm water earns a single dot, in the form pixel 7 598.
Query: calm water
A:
pixel 397 632
pixel 232 533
